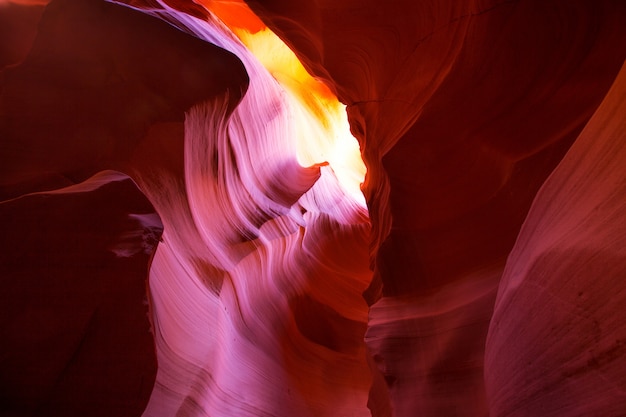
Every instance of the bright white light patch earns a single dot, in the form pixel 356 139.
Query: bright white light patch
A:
pixel 324 131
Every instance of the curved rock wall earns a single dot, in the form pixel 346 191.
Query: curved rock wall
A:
pixel 556 339
pixel 256 286
pixel 462 110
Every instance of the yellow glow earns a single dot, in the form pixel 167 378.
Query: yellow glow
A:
pixel 325 132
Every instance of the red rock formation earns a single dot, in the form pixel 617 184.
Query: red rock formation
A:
pixel 97 77
pixel 462 111
pixel 258 280
pixel 249 255
pixel 18 27
pixel 556 341
pixel 74 335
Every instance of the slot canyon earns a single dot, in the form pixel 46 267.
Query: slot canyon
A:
pixel 323 208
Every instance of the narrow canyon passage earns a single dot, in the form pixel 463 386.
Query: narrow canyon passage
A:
pixel 188 227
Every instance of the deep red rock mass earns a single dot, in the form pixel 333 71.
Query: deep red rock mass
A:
pixel 177 238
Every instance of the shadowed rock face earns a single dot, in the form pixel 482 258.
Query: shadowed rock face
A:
pixel 18 25
pixel 495 178
pixel 75 334
pixel 97 77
